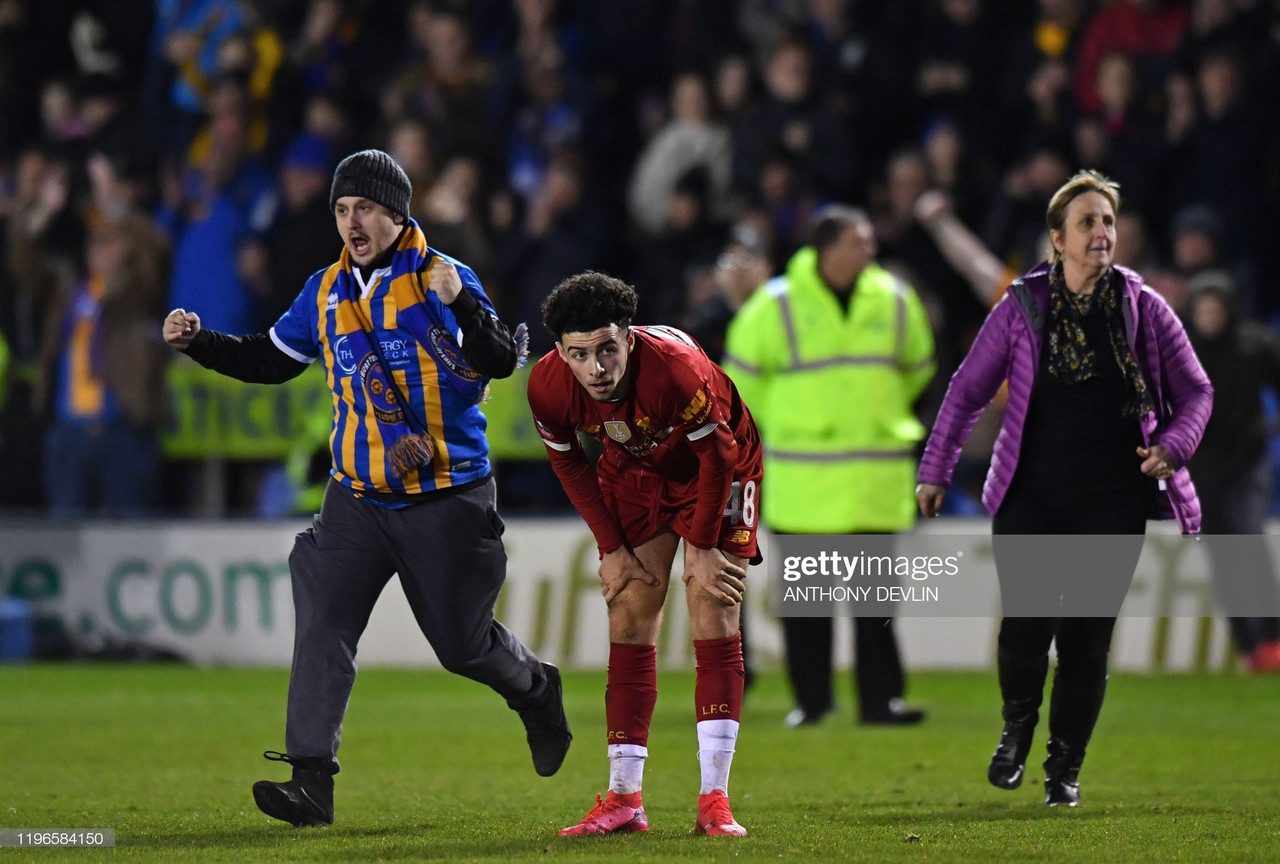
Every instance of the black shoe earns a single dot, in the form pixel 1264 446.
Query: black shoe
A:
pixel 801 717
pixel 1009 761
pixel 307 799
pixel 546 726
pixel 893 713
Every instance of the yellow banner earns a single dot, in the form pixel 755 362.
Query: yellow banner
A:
pixel 212 415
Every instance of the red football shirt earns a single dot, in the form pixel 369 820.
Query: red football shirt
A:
pixel 682 423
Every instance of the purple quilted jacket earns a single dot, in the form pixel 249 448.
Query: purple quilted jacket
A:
pixel 1008 347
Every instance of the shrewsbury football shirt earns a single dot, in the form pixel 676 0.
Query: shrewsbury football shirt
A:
pixel 318 325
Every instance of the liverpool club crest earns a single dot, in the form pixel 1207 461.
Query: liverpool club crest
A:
pixel 618 431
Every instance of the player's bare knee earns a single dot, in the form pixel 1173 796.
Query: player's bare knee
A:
pixel 633 621
pixel 710 617
pixel 641 595
pixel 715 626
pixel 629 607
pixel 634 631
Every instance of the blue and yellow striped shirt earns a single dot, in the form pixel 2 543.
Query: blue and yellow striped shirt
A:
pixel 405 318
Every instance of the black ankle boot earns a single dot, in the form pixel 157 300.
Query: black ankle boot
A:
pixel 1073 712
pixel 1062 774
pixel 307 799
pixel 1010 759
pixel 1022 686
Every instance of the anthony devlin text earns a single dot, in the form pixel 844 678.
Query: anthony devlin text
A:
pixel 860 594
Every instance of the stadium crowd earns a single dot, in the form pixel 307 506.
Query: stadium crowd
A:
pixel 177 153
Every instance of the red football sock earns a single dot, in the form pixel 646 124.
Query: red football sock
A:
pixel 717 693
pixel 632 692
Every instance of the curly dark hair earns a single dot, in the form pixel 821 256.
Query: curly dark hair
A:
pixel 587 302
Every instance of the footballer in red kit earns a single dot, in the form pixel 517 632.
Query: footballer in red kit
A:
pixel 681 459
pixel 684 414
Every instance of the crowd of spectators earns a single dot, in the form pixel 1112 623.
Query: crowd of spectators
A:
pixel 178 153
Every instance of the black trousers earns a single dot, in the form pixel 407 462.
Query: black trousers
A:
pixel 1084 578
pixel 448 552
pixel 877 663
pixel 877 670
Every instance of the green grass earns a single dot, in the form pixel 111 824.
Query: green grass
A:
pixel 1183 768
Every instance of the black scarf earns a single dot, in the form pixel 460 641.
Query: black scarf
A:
pixel 1071 360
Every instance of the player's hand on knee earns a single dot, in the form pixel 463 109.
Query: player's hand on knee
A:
pixel 611 585
pixel 728 589
pixel 620 567
pixel 715 574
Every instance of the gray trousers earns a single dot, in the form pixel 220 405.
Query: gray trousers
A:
pixel 451 561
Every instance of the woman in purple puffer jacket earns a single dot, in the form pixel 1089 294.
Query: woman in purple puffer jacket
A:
pixel 1107 402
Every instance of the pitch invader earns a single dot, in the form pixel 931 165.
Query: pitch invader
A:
pixel 681 458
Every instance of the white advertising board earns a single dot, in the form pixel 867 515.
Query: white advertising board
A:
pixel 218 593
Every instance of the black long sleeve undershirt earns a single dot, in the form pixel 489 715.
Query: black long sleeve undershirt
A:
pixel 487 347
pixel 254 358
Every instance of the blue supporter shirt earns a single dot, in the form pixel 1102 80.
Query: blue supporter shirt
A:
pixel 317 326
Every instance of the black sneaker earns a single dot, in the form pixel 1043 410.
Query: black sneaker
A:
pixel 894 713
pixel 545 724
pixel 307 799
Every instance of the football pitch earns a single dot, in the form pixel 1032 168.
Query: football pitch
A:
pixel 434 768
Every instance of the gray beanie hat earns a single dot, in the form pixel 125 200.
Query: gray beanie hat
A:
pixel 374 175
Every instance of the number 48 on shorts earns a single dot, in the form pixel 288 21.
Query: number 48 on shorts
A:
pixel 738 530
pixel 741 507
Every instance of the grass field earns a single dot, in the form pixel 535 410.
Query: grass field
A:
pixel 1183 768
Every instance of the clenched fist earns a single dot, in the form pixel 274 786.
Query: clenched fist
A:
pixel 445 281
pixel 180 328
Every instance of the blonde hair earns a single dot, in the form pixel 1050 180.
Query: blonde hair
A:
pixel 1084 181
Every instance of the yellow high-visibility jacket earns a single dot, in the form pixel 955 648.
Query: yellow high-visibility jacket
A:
pixel 832 394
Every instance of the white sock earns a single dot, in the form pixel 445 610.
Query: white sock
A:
pixel 626 767
pixel 716 742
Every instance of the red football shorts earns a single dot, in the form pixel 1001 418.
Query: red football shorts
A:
pixel 646 503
